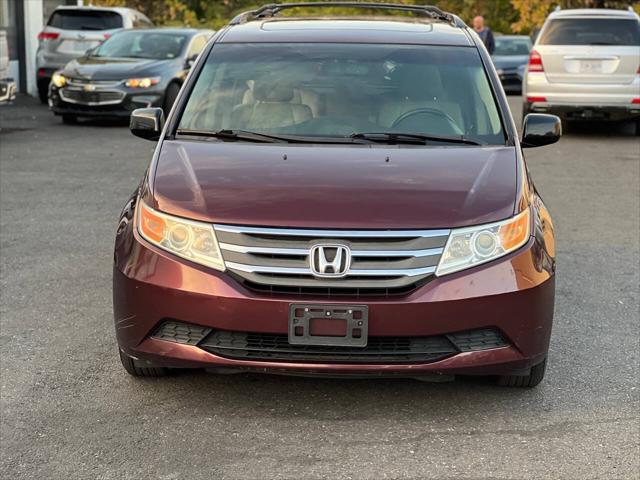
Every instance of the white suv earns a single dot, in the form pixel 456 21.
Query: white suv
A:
pixel 585 65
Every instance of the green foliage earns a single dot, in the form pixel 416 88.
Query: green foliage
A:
pixel 501 15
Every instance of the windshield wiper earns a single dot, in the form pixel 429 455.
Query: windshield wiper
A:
pixel 227 134
pixel 234 135
pixel 413 138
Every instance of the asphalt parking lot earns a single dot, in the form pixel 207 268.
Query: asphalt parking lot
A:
pixel 68 409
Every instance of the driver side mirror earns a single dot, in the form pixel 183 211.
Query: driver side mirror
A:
pixel 540 129
pixel 147 123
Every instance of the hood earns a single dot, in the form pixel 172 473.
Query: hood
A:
pixel 335 186
pixel 100 68
pixel 509 61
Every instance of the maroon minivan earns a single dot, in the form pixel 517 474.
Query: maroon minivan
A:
pixel 340 197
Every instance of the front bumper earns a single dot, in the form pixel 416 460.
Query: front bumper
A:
pixel 513 295
pixel 118 101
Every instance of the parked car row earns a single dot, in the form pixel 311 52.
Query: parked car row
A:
pixel 132 69
pixel 71 31
pixel 109 61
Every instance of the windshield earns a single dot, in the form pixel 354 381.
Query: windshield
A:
pixel 512 46
pixel 591 31
pixel 335 90
pixel 85 20
pixel 141 44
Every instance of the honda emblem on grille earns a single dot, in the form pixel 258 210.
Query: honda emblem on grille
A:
pixel 330 260
pixel 89 88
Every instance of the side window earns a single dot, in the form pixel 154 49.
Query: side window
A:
pixel 197 45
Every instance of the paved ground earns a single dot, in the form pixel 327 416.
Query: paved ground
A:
pixel 69 410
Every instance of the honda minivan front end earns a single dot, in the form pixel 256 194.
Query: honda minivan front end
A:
pixel 338 207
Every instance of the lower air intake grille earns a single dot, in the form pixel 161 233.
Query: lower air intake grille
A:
pixel 330 263
pixel 474 340
pixel 263 346
pixel 274 347
pixel 179 332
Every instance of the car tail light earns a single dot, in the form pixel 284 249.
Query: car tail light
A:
pixel 106 36
pixel 48 36
pixel 42 72
pixel 536 99
pixel 535 62
pixel 636 101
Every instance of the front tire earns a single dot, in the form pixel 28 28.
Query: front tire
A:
pixel 134 369
pixel 69 119
pixel 536 374
pixel 43 93
pixel 526 110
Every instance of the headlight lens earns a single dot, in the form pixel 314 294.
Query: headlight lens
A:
pixel 58 80
pixel 188 239
pixel 468 247
pixel 142 82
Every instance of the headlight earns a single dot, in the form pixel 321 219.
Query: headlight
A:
pixel 58 80
pixel 468 247
pixel 188 239
pixel 142 82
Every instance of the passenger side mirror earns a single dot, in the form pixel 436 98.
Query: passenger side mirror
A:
pixel 540 129
pixel 147 123
pixel 191 61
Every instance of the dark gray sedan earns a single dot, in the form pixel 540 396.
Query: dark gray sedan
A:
pixel 510 59
pixel 132 69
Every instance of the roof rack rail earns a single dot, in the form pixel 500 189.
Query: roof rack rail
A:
pixel 272 9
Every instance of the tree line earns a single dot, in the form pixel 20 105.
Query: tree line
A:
pixel 505 16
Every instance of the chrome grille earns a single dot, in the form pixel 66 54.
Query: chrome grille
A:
pixel 98 97
pixel 277 259
pixel 81 82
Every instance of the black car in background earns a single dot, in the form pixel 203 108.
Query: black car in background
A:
pixel 510 59
pixel 132 69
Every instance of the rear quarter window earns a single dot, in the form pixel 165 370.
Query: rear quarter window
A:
pixel 591 31
pixel 85 20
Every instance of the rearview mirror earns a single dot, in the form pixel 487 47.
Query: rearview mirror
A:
pixel 540 129
pixel 147 123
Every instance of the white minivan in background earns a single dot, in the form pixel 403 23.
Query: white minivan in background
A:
pixel 585 65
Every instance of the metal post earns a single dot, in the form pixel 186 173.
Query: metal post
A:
pixel 22 50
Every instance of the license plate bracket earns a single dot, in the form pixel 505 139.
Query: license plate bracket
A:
pixel 328 325
pixel 591 66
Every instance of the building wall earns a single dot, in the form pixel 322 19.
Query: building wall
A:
pixel 33 23
pixel 36 14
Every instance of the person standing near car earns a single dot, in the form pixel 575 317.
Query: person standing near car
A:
pixel 485 33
